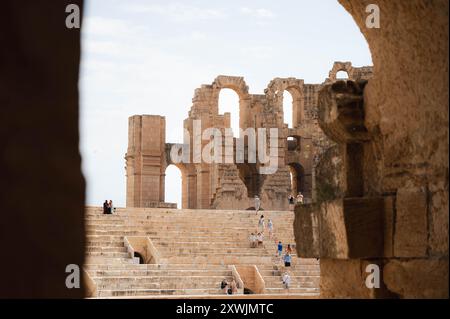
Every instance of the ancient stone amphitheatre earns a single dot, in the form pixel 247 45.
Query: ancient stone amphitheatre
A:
pixel 151 249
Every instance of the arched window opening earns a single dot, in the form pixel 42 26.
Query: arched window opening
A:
pixel 342 75
pixel 173 185
pixel 293 143
pixel 288 109
pixel 229 103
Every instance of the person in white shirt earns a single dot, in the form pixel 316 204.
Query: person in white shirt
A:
pixel 300 198
pixel 261 224
pixel 286 280
pixel 257 204
pixel 270 226
pixel 253 242
pixel 260 238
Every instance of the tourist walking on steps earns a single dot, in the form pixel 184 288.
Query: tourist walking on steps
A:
pixel 270 227
pixel 287 260
pixel 286 280
pixel 261 224
pixel 105 207
pixel 257 204
pixel 288 249
pixel 224 286
pixel 280 249
pixel 260 238
pixel 253 243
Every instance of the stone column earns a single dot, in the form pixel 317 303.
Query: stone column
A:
pixel 145 160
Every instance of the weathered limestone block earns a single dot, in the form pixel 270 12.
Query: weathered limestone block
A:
pixel 344 279
pixel 410 238
pixel 330 175
pixel 346 228
pixel 306 230
pixel 438 241
pixel 417 278
pixel 341 113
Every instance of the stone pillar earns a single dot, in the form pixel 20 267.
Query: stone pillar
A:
pixel 145 161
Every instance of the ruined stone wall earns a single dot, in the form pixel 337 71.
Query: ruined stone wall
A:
pixel 389 171
pixel 229 184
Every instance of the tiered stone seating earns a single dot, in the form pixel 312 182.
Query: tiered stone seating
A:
pixel 196 249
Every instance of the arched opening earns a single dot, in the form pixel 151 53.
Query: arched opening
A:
pixel 173 185
pixel 288 109
pixel 342 75
pixel 297 178
pixel 229 103
pixel 138 255
pixel 293 143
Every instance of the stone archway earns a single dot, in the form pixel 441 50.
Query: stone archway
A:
pixel 274 94
pixel 298 178
pixel 238 85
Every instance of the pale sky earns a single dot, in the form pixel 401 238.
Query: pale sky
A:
pixel 148 56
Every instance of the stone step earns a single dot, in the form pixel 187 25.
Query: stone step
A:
pixel 104 260
pixel 89 249
pixel 163 272
pixel 183 250
pixel 160 282
pixel 268 273
pixel 202 244
pixel 189 266
pixel 217 259
pixel 299 291
pixel 293 285
pixel 108 254
pixel 163 292
pixel 295 279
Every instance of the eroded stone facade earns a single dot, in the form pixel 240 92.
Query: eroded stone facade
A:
pixel 384 186
pixel 233 185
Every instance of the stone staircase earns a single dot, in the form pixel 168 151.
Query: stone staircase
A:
pixel 196 250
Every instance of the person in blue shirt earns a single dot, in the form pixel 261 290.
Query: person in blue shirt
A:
pixel 287 260
pixel 280 249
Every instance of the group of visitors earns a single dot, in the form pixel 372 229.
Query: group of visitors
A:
pixel 298 199
pixel 108 207
pixel 229 288
pixel 257 240
pixel 287 258
pixel 262 226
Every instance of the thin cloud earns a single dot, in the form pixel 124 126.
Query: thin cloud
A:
pixel 178 12
pixel 110 27
pixel 260 13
